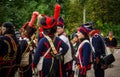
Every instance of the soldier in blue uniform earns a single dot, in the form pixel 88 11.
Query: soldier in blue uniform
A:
pixel 75 42
pixel 63 36
pixel 98 48
pixel 51 64
pixel 27 46
pixel 9 54
pixel 83 54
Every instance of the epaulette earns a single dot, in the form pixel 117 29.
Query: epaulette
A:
pixel 96 35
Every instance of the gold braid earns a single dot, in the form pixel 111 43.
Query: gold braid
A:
pixel 7 57
pixel 13 43
pixel 9 48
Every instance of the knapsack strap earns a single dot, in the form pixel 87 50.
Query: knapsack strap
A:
pixel 51 44
pixel 47 52
pixel 26 49
pixel 78 53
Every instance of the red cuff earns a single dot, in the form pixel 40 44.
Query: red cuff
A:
pixel 83 70
pixel 33 65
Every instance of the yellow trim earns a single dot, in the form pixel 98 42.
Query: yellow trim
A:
pixel 13 43
pixel 9 48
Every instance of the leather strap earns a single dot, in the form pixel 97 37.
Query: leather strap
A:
pixel 51 44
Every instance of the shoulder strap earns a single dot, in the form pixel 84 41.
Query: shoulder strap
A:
pixel 46 52
pixel 26 50
pixel 82 43
pixel 78 54
pixel 93 50
pixel 51 44
pixel 29 44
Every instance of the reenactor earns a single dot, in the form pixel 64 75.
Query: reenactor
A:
pixel 98 48
pixel 48 47
pixel 27 46
pixel 67 64
pixel 75 42
pixel 9 54
pixel 83 54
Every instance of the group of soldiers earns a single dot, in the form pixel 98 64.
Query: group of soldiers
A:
pixel 53 54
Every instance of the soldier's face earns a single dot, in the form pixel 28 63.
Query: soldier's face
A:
pixel 110 34
pixel 60 30
pixel 80 35
pixel 75 39
pixel 3 30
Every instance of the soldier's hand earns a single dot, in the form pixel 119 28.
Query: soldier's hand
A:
pixel 83 71
pixel 97 60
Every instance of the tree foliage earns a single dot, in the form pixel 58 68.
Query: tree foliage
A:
pixel 104 13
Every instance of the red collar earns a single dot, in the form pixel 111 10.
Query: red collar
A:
pixel 94 32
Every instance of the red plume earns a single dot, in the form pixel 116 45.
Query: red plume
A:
pixel 57 11
pixel 34 16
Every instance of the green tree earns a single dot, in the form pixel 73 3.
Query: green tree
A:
pixel 104 13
